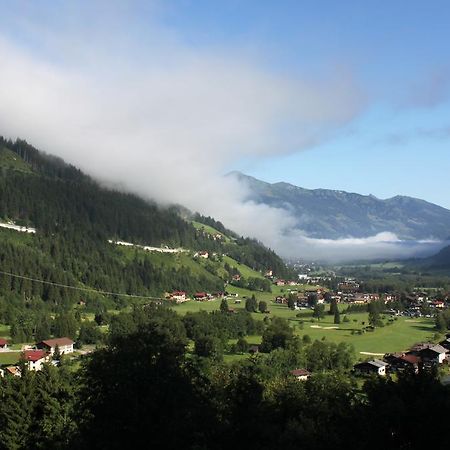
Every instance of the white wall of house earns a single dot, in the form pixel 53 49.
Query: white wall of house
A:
pixel 63 349
pixel 36 365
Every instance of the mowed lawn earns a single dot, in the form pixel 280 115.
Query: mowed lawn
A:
pixel 400 336
pixel 9 358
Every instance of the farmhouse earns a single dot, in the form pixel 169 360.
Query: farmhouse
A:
pixel 434 354
pixel 202 254
pixel 35 359
pixel 301 374
pixel 13 370
pixel 178 296
pixel 375 366
pixel 201 296
pixel 3 344
pixel 403 361
pixel 64 344
pixel 446 344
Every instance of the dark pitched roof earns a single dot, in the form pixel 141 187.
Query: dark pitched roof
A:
pixel 34 355
pixel 300 373
pixel 57 342
pixel 412 359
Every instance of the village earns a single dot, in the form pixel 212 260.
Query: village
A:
pixel 35 356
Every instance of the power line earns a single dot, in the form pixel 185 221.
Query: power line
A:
pixel 77 288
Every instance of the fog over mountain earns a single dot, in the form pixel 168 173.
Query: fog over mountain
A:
pixel 331 214
pixel 163 119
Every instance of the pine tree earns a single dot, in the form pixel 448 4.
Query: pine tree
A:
pixel 224 305
pixel 333 307
pixel 262 306
pixel 337 316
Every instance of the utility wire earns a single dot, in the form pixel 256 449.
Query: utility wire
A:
pixel 76 288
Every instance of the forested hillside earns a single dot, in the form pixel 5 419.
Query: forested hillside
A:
pixel 75 217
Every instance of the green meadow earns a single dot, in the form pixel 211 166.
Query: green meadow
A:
pixel 397 336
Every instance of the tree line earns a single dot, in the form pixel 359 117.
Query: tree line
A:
pixel 145 389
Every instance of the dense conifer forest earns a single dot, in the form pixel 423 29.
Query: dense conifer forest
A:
pixel 75 217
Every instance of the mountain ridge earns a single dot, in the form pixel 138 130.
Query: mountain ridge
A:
pixel 336 214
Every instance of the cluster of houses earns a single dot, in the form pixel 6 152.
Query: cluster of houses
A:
pixel 423 355
pixel 42 352
pixel 301 298
pixel 181 296
pixel 279 281
pixel 202 254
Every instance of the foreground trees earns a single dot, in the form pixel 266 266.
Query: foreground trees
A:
pixel 143 390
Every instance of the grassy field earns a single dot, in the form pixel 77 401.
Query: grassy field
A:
pixel 210 230
pixel 168 260
pixel 12 161
pixel 9 358
pixel 399 336
pixel 245 271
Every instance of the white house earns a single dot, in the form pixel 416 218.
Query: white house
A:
pixel 35 359
pixel 64 344
pixel 178 296
pixel 375 366
pixel 435 353
pixel 3 344
pixel 301 374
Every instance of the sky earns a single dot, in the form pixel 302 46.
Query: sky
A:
pixel 163 98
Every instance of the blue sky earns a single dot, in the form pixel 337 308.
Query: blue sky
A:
pixel 400 144
pixel 394 54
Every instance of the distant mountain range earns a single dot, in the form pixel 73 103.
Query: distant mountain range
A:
pixel 329 214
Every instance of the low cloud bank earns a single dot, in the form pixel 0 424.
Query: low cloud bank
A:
pixel 381 246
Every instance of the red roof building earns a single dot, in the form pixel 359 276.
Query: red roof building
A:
pixel 35 358
pixel 64 344
pixel 3 343
pixel 301 374
pixel 34 355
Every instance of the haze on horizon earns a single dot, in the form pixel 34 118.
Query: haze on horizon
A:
pixel 164 98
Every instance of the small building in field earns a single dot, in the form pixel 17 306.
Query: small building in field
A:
pixel 375 366
pixel 35 359
pixel 3 344
pixel 12 370
pixel 438 304
pixel 201 296
pixel 403 361
pixel 434 354
pixel 446 344
pixel 178 296
pixel 64 344
pixel 201 254
pixel 301 374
